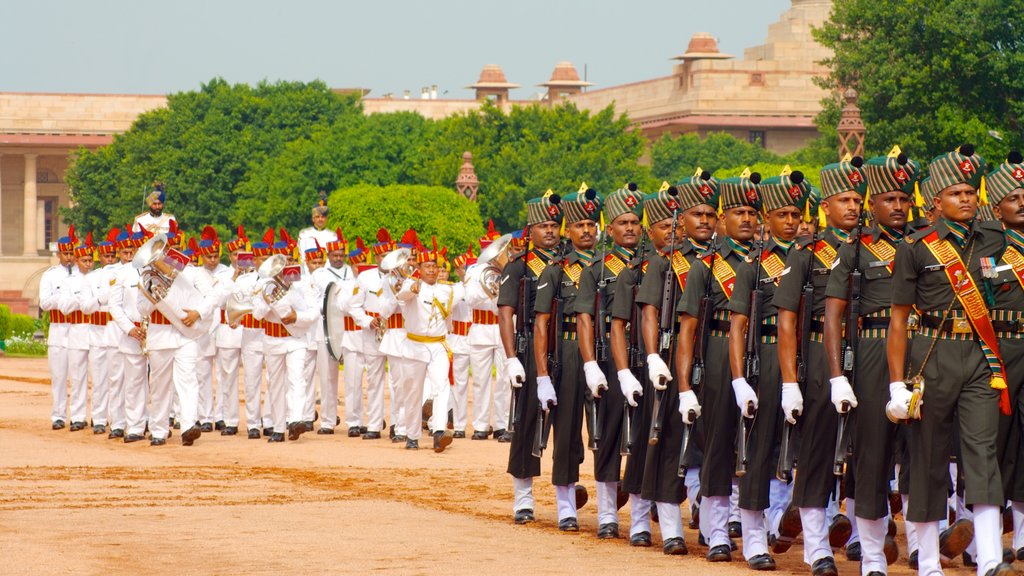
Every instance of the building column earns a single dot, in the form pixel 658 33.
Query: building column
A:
pixel 1 205
pixel 29 219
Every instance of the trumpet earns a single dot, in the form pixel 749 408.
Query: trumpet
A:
pixel 398 268
pixel 492 261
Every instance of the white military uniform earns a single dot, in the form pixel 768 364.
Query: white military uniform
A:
pixel 486 356
pixel 314 341
pixel 115 362
pixel 326 366
pixel 256 416
pixel 372 300
pixel 57 341
pixel 285 352
pixel 76 304
pixel 208 346
pixel 173 356
pixel 228 341
pixel 308 237
pixel 124 310
pixel 427 315
pixel 153 224
pixel 461 320
pixel 103 348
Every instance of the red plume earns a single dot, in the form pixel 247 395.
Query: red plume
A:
pixel 469 251
pixel 341 237
pixel 88 240
pixel 433 239
pixel 193 245
pixel 71 235
pixel 359 243
pixel 410 237
pixel 113 234
pixel 241 232
pixel 172 228
pixel 282 234
pixel 209 233
pixel 268 236
pixel 383 235
pixel 490 227
pixel 318 247
pixel 146 233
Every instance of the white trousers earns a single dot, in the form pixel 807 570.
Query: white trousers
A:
pixel 204 377
pixel 252 365
pixel 355 364
pixel 460 392
pixel 99 369
pixel 57 358
pixel 173 371
pixel 489 392
pixel 395 366
pixel 227 385
pixel 416 377
pixel 136 392
pixel 115 390
pixel 309 379
pixel 78 375
pixel 286 387
pixel 327 374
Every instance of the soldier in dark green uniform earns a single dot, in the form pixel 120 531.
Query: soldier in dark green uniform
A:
pixel 715 278
pixel 518 291
pixel 622 210
pixel 565 393
pixel 954 359
pixel 1006 196
pixel 891 180
pixel 758 488
pixel 843 186
pixel 661 482
pixel 629 363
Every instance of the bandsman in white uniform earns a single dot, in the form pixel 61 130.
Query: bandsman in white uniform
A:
pixel 312 260
pixel 207 257
pixel 57 340
pixel 229 341
pixel 131 328
pixel 257 415
pixel 102 342
pixel 76 303
pixel 154 221
pixel 318 233
pixel 461 324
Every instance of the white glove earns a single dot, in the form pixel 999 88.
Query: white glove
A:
pixel 842 392
pixel 658 371
pixel 745 396
pixel 792 401
pixel 515 372
pixel 689 406
pixel 546 392
pixel 898 407
pixel 629 386
pixel 595 378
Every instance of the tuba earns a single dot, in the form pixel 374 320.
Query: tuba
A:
pixel 274 286
pixel 236 308
pixel 156 276
pixel 492 261
pixel 398 267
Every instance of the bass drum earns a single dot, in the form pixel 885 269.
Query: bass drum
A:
pixel 334 320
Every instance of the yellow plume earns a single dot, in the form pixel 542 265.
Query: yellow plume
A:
pixel 643 219
pixel 746 172
pixel 548 193
pixel 982 193
pixel 918 199
pixel 894 152
pixel 583 188
pixel 786 170
pixel 664 186
pixel 698 172
pixel 846 157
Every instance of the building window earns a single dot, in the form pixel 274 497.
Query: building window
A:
pixel 757 137
pixel 49 220
pixel 46 177
pixel 757 79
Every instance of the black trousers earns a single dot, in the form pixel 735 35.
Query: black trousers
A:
pixel 607 460
pixel 568 415
pixel 817 428
pixel 765 432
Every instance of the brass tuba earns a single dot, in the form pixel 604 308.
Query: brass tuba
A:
pixel 398 267
pixel 236 308
pixel 156 276
pixel 492 261
pixel 274 286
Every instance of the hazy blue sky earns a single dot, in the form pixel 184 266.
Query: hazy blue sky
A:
pixel 143 46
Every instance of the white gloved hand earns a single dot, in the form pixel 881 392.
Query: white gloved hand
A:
pixel 515 372
pixel 842 392
pixel 629 386
pixel 745 397
pixel 546 392
pixel 792 401
pixel 595 378
pixel 658 372
pixel 689 406
pixel 898 407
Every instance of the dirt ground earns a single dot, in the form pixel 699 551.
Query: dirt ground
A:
pixel 79 503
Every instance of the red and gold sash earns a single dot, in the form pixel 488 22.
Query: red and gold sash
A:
pixel 681 268
pixel 773 265
pixel 614 264
pixel 574 271
pixel 825 253
pixel 535 263
pixel 724 274
pixel 970 298
pixel 1013 257
pixel 884 251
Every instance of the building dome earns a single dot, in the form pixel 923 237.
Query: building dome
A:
pixel 565 75
pixel 492 76
pixel 702 46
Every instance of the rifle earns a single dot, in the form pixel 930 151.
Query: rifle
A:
pixel 592 405
pixel 524 346
pixel 637 360
pixel 544 419
pixel 853 292
pixel 752 354
pixel 665 324
pixel 700 348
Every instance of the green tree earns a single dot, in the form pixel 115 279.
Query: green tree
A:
pixel 675 158
pixel 362 209
pixel 929 75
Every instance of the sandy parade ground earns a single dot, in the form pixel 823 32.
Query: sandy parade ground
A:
pixel 83 504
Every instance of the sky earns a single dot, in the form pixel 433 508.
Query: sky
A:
pixel 158 47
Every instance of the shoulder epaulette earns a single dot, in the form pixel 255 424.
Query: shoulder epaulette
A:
pixel 918 234
pixel 803 242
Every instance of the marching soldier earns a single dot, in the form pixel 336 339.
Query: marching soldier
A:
pixel 57 340
pixel 256 416
pixel 462 322
pixel 155 221
pixel 208 252
pixel 313 259
pixel 561 386
pixel 711 285
pixel 102 346
pixel 594 301
pixel 317 235
pixel 516 297
pixel 868 261
pixel 759 489
pixel 694 215
pixel 955 355
pixel 77 305
pixel 132 326
pixel 808 266
pixel 228 340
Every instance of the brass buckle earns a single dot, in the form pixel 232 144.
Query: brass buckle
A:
pixel 962 326
pixel 913 322
pixel 916 398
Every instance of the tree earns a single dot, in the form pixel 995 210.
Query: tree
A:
pixel 675 158
pixel 362 209
pixel 929 75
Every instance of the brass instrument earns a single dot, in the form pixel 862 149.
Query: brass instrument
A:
pixel 398 268
pixel 144 328
pixel 156 276
pixel 492 261
pixel 274 286
pixel 235 308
